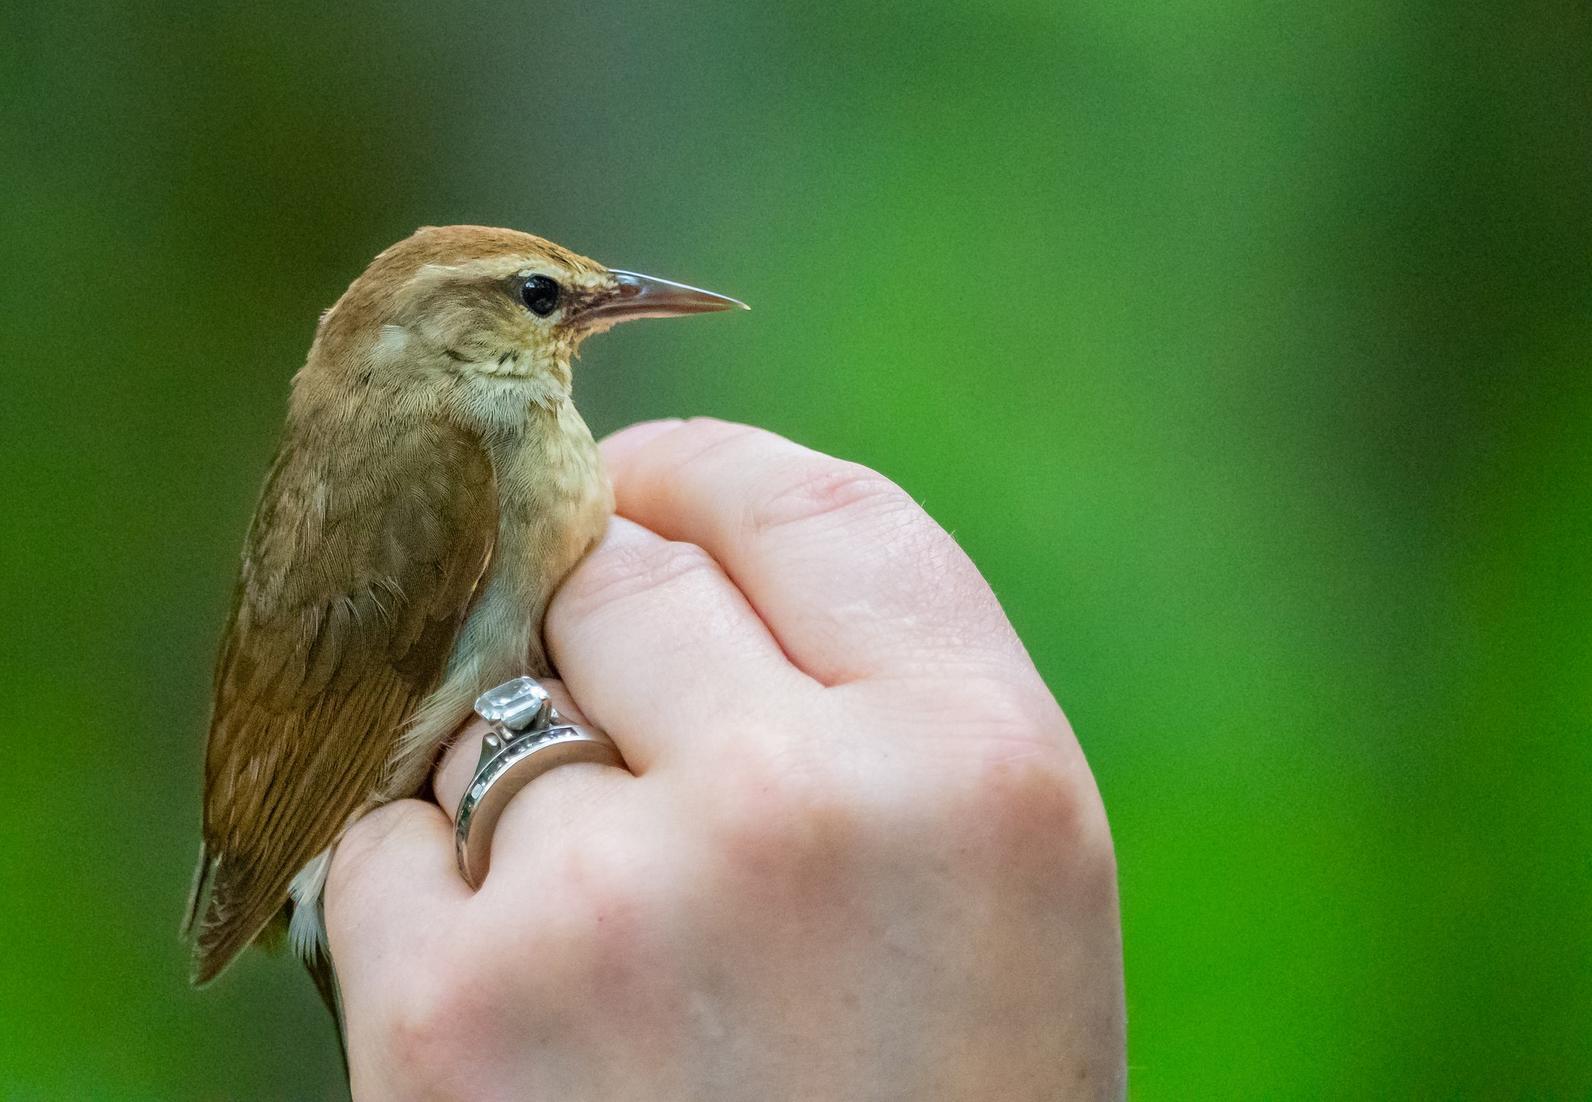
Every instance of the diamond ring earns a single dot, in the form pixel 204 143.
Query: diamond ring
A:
pixel 528 737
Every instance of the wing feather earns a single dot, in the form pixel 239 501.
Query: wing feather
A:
pixel 355 579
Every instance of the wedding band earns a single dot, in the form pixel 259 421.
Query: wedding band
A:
pixel 528 737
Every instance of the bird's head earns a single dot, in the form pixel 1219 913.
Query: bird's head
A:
pixel 482 310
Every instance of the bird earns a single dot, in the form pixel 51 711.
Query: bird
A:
pixel 433 485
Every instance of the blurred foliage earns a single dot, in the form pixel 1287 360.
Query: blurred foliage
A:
pixel 1243 344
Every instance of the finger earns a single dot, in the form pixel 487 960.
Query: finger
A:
pixel 654 639
pixel 852 577
pixel 562 799
pixel 392 878
pixel 618 445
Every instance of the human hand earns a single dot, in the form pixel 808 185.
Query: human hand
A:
pixel 859 854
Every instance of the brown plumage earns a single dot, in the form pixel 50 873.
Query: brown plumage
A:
pixel 433 485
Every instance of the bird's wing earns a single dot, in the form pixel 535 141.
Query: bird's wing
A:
pixel 355 579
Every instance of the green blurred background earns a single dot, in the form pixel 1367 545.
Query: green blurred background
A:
pixel 1243 344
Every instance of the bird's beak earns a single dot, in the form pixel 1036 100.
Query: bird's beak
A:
pixel 642 296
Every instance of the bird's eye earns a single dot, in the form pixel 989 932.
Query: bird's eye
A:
pixel 540 295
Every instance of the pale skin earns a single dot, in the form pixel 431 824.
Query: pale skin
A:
pixel 859 854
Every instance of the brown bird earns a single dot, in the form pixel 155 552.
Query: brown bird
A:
pixel 433 486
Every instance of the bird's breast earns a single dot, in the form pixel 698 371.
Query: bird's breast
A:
pixel 553 504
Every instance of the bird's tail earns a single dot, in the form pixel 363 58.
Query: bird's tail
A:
pixel 204 878
pixel 321 971
pixel 212 927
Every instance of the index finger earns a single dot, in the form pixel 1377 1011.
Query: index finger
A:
pixel 852 577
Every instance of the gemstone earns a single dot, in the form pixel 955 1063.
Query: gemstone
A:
pixel 515 704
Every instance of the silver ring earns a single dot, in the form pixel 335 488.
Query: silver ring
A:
pixel 528 738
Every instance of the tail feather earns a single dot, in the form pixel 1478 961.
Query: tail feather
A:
pixel 319 966
pixel 199 895
pixel 213 927
pixel 216 942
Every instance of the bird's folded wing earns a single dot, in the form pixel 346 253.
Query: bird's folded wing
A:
pixel 355 579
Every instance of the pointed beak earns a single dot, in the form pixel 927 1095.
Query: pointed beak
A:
pixel 642 296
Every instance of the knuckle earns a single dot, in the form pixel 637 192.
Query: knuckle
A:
pixel 1035 806
pixel 618 575
pixel 784 820
pixel 817 487
pixel 593 878
pixel 593 927
pixel 1008 771
pixel 428 1027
